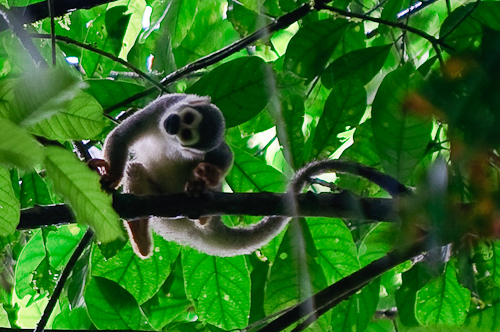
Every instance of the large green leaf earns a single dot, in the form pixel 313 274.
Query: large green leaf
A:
pixel 109 93
pixel 443 301
pixel 111 307
pixel 310 49
pixel 401 136
pixel 355 313
pixel 34 191
pixel 171 302
pixel 241 88
pixel 179 18
pixel 361 64
pixel 219 287
pixel 378 242
pixel 82 119
pixel 337 252
pixel 17 147
pixel 295 274
pixel 32 254
pixel 250 173
pixel 41 94
pixel 9 211
pixel 80 188
pixel 462 32
pixel 289 129
pixel 125 268
pixel 343 110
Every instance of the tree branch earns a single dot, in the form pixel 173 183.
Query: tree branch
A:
pixel 40 10
pixel 345 205
pixel 103 53
pixel 329 297
pixel 281 23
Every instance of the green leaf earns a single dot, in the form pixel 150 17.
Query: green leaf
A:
pixel 34 191
pixel 488 13
pixel 406 296
pixel 75 319
pixel 443 301
pixel 251 174
pixel 244 20
pixel 310 49
pixel 82 119
pixel 355 313
pixel 179 19
pixel 32 254
pixel 109 93
pixel 464 36
pixel 337 252
pixel 241 88
pixel 401 137
pixel 343 110
pixel 488 259
pixel 295 274
pixel 110 307
pixel 170 303
pixel 289 130
pixel 9 205
pixel 41 94
pixel 17 147
pixel 219 287
pixel 378 242
pixel 126 268
pixel 80 188
pixel 361 64
pixel 61 244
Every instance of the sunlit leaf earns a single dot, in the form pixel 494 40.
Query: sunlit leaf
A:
pixel 241 88
pixel 344 108
pixel 443 301
pixel 80 188
pixel 111 307
pixel 31 256
pixel 34 191
pixel 289 130
pixel 400 135
pixel 250 174
pixel 126 268
pixel 219 288
pixel 17 147
pixel 309 50
pixel 361 64
pixel 82 119
pixel 9 205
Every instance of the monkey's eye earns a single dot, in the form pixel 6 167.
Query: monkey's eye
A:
pixel 188 118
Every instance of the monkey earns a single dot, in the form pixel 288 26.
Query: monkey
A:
pixel 177 144
pixel 174 144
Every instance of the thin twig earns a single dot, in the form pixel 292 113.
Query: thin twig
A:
pixel 84 242
pixel 281 23
pixel 433 40
pixel 50 4
pixel 103 53
pixel 462 19
pixel 23 36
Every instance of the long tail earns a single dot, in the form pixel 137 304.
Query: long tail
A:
pixel 384 181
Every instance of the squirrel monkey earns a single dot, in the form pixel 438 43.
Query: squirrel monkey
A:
pixel 176 144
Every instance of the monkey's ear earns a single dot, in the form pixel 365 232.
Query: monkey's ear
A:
pixel 140 237
pixel 195 100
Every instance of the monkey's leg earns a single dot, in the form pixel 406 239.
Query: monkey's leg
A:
pixel 207 176
pixel 138 182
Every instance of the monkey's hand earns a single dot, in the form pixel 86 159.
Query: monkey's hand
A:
pixel 108 181
pixel 207 176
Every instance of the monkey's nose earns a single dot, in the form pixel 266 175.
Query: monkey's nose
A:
pixel 172 124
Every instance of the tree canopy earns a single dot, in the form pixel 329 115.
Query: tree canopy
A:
pixel 408 88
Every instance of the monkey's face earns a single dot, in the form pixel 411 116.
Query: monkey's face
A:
pixel 184 124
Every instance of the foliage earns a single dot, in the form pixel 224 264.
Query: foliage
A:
pixel 416 97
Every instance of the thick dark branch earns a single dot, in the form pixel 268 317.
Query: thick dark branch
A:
pixel 40 10
pixel 344 205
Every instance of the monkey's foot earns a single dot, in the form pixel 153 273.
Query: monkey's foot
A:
pixel 207 176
